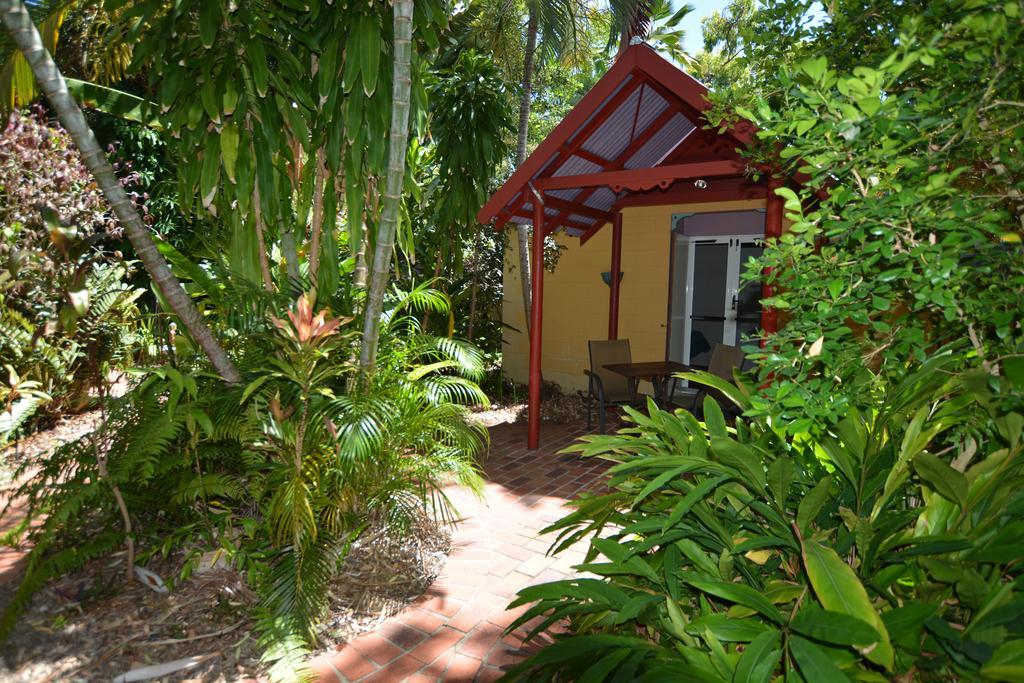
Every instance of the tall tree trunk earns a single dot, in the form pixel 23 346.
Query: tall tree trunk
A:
pixel 25 36
pixel 522 232
pixel 401 87
pixel 362 271
pixel 474 283
pixel 317 222
pixel 261 242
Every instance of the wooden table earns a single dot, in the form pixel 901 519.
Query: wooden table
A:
pixel 658 373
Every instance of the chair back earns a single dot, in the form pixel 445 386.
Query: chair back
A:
pixel 609 352
pixel 724 360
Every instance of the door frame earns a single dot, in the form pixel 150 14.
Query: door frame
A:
pixel 688 240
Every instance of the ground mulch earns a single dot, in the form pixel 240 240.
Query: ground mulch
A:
pixel 557 407
pixel 92 625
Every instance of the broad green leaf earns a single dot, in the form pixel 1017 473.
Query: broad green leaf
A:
pixel 697 493
pixel 738 456
pixel 229 149
pixel 660 481
pixel 814 663
pixel 1007 663
pixel 117 103
pixel 713 418
pixel 946 481
pixel 209 18
pixel 726 628
pixel 210 174
pixel 904 620
pixel 203 420
pixel 780 477
pixel 812 503
pixel 738 593
pixel 839 590
pixel 834 627
pixel 815 68
pixel 759 659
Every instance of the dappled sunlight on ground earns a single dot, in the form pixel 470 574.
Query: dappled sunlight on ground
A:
pixel 455 631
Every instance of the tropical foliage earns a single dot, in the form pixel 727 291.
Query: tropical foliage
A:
pixel 917 239
pixel 67 310
pixel 886 549
pixel 860 520
pixel 282 473
pixel 312 173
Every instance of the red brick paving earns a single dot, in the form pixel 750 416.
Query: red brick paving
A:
pixel 455 632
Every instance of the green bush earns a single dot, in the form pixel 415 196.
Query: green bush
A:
pixel 67 310
pixel 887 548
pixel 907 228
pixel 281 473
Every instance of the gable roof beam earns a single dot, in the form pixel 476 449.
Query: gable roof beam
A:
pixel 618 162
pixel 572 207
pixel 602 95
pixel 550 227
pixel 642 178
pixel 583 154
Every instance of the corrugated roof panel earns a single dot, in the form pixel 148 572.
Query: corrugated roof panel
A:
pixel 625 82
pixel 613 136
pixel 547 211
pixel 661 143
pixel 567 195
pixel 603 198
pixel 576 166
pixel 589 220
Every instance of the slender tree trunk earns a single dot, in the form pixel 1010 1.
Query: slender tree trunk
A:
pixel 261 242
pixel 401 87
pixel 522 232
pixel 362 271
pixel 472 305
pixel 316 224
pixel 25 36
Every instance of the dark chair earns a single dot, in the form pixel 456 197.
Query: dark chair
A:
pixel 724 361
pixel 610 388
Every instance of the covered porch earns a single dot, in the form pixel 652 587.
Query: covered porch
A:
pixel 634 159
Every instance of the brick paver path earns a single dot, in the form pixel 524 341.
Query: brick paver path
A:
pixel 455 632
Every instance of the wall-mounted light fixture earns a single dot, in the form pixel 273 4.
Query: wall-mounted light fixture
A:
pixel 607 277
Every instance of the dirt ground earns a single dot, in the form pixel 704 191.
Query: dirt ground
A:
pixel 92 625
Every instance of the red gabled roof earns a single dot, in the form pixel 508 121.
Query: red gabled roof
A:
pixel 636 117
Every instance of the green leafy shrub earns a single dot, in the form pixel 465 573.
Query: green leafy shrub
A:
pixel 906 228
pixel 282 473
pixel 887 548
pixel 340 462
pixel 67 312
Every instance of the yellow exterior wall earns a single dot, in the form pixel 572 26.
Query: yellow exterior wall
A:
pixel 576 299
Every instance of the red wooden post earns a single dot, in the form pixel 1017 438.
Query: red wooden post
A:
pixel 772 230
pixel 613 295
pixel 536 322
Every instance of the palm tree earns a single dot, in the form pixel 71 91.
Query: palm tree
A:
pixel 26 37
pixel 401 88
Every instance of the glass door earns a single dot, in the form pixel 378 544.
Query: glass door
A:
pixel 710 304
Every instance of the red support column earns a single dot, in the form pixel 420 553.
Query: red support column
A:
pixel 613 295
pixel 536 322
pixel 772 230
